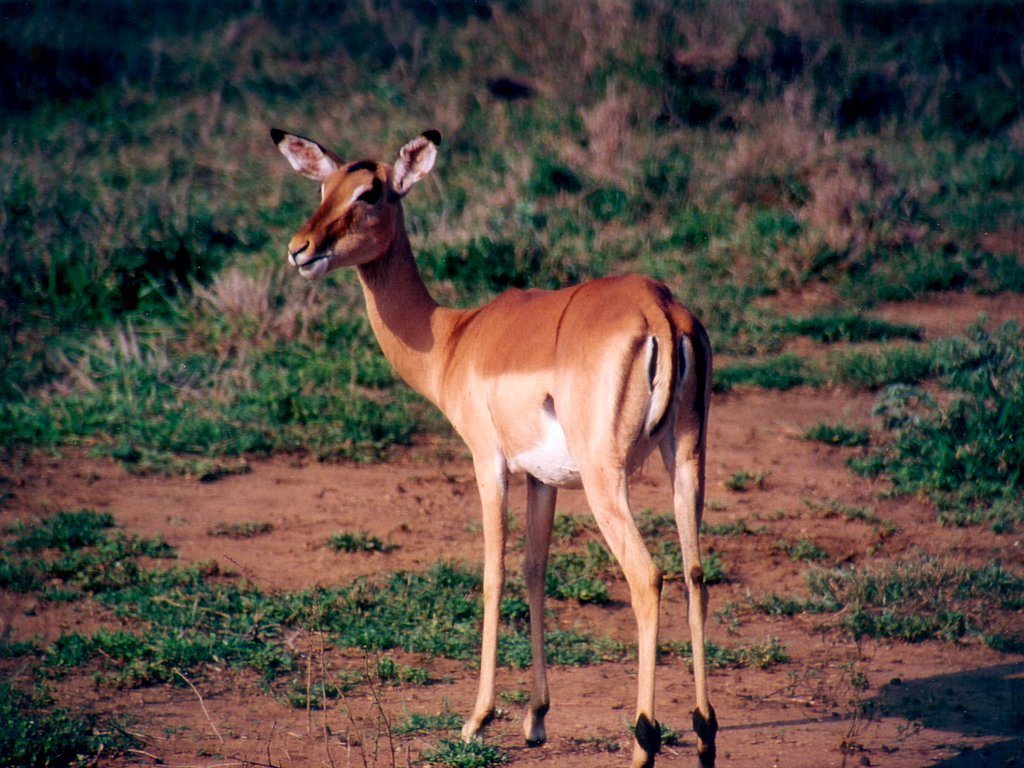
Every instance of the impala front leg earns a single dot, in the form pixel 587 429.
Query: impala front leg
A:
pixel 540 511
pixel 492 481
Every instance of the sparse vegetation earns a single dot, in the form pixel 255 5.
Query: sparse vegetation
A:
pixel 837 434
pixel 915 599
pixel 358 541
pixel 453 753
pixel 246 530
pixel 966 455
pixel 36 734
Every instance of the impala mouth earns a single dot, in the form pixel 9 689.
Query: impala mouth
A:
pixel 313 268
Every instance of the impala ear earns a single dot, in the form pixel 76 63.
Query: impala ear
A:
pixel 415 160
pixel 306 156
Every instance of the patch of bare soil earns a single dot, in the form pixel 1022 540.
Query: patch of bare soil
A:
pixel 835 703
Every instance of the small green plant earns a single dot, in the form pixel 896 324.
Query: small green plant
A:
pixel 65 531
pixel 358 541
pixel 35 734
pixel 737 528
pixel 873 369
pixel 967 456
pixel 669 558
pixel 518 697
pixel 912 600
pixel 782 372
pixel 801 550
pixel 832 328
pixel 246 530
pixel 579 577
pixel 453 753
pixel 653 524
pixel 568 527
pixel 743 481
pixel 837 434
pixel 421 724
pixel 761 655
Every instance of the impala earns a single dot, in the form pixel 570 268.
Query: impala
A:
pixel 573 388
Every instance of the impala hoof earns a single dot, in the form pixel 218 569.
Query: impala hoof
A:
pixel 533 729
pixel 706 728
pixel 648 742
pixel 474 725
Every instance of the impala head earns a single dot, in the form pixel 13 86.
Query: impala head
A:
pixel 360 205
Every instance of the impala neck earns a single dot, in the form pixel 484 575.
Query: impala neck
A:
pixel 408 323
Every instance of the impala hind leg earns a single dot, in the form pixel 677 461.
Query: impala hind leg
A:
pixel 608 497
pixel 686 468
pixel 540 512
pixel 492 483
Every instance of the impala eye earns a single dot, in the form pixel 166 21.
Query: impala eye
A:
pixel 372 195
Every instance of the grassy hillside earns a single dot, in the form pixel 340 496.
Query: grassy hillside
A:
pixel 871 151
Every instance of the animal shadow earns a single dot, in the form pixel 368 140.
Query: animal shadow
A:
pixel 985 702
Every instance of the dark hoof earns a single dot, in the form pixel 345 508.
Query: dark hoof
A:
pixel 648 738
pixel 706 728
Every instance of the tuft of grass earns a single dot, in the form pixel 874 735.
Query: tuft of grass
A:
pixel 65 531
pixel 421 724
pixel 848 327
pixel 763 655
pixel 922 598
pixel 358 541
pixel 455 753
pixel 782 372
pixel 967 455
pixel 568 527
pixel 801 550
pixel 738 528
pixel 837 434
pixel 872 369
pixel 579 577
pixel 743 481
pixel 36 734
pixel 915 599
pixel 246 530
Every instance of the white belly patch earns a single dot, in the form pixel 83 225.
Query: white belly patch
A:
pixel 549 461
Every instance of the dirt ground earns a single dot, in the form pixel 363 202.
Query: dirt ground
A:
pixel 927 704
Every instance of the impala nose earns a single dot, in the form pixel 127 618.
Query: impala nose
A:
pixel 296 248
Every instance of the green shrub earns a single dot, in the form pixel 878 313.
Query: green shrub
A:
pixel 966 455
pixel 918 599
pixel 453 753
pixel 36 734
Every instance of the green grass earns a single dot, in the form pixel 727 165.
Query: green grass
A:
pixel 763 655
pixel 147 327
pixel 832 328
pixel 964 455
pixel 184 618
pixel 453 753
pixel 916 599
pixel 246 530
pixel 743 481
pixel 923 598
pixel 801 550
pixel 580 577
pixel 838 434
pixel 420 724
pixel 358 541
pixel 36 734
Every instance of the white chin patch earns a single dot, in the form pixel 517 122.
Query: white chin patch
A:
pixel 314 271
